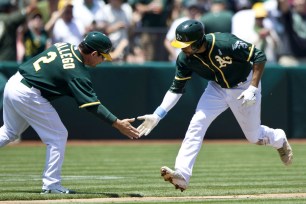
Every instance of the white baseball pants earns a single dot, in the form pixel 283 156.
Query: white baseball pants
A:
pixel 23 106
pixel 212 103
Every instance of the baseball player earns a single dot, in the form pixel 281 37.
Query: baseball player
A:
pixel 59 71
pixel 233 68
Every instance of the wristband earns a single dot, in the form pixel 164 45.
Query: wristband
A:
pixel 160 112
pixel 253 88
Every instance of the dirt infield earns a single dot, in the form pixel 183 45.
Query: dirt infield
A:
pixel 160 199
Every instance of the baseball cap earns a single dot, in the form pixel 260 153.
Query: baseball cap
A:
pixel 260 10
pixel 35 13
pixel 99 42
pixel 63 3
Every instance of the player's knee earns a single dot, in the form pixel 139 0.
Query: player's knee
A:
pixel 64 133
pixel 202 118
pixel 7 135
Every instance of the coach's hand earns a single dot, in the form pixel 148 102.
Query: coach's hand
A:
pixel 150 121
pixel 249 96
pixel 125 127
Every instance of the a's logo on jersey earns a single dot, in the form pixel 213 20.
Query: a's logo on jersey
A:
pixel 223 61
pixel 238 44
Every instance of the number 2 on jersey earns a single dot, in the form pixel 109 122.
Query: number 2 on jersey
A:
pixel 45 59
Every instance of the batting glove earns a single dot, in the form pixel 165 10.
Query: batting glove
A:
pixel 249 96
pixel 150 121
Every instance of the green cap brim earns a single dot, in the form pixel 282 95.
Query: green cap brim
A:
pixel 107 56
pixel 179 44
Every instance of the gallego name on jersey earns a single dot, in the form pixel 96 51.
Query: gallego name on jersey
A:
pixel 66 55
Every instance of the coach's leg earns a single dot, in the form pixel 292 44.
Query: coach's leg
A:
pixel 53 133
pixel 210 105
pixel 13 123
pixel 40 114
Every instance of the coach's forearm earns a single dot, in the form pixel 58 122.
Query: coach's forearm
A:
pixel 103 113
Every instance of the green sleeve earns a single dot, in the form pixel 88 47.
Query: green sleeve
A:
pixel 103 113
pixel 182 75
pixel 244 50
pixel 258 56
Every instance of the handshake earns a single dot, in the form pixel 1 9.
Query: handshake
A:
pixel 125 127
pixel 149 122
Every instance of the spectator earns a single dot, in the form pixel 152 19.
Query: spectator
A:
pixel 219 18
pixel 205 4
pixel 91 9
pixel 243 20
pixel 177 11
pixel 116 21
pixel 10 19
pixel 192 10
pixel 274 15
pixel 136 55
pixel 152 15
pixel 240 5
pixel 263 37
pixel 66 27
pixel 295 25
pixel 33 37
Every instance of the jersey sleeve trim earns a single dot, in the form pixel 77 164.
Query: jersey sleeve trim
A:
pixel 182 79
pixel 75 55
pixel 90 104
pixel 251 53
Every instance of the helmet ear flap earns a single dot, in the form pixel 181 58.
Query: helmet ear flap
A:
pixel 197 44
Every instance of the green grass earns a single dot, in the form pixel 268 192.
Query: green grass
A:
pixel 119 170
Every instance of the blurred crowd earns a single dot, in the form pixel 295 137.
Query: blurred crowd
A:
pixel 141 30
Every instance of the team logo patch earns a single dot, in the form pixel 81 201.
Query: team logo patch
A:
pixel 223 61
pixel 239 44
pixel 179 37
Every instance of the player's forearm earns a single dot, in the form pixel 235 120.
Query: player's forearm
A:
pixel 257 73
pixel 170 99
pixel 259 60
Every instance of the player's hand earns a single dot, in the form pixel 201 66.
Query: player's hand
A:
pixel 249 96
pixel 125 127
pixel 150 121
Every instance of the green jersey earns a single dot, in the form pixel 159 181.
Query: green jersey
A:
pixel 227 60
pixel 59 71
